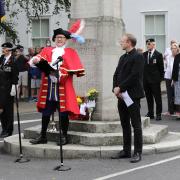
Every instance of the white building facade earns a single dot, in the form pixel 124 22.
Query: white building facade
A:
pixel 40 30
pixel 145 19
pixel 152 19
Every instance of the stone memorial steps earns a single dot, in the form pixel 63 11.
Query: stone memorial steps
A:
pixel 90 139
pixel 101 126
pixel 152 134
pixel 170 142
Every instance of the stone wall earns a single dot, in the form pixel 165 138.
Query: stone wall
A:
pixel 100 53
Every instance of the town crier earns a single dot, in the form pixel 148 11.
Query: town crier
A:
pixel 70 65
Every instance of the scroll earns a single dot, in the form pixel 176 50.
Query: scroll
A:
pixel 44 66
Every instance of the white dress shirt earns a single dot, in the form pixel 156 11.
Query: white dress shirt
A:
pixel 56 52
pixel 169 68
pixel 7 58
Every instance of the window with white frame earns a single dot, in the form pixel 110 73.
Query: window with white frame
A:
pixel 155 28
pixel 40 32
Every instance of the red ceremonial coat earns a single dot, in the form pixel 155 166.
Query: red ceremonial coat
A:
pixel 71 65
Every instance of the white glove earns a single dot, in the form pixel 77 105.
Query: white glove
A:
pixel 13 90
pixel 53 78
pixel 34 60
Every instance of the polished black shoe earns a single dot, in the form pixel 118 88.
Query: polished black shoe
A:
pixel 122 154
pixel 151 116
pixel 158 118
pixel 39 140
pixel 64 141
pixel 136 158
pixel 4 135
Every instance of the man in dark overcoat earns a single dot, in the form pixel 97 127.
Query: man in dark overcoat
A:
pixel 128 79
pixel 8 80
pixel 153 75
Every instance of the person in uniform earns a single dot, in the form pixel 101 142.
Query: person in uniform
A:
pixel 8 81
pixel 153 75
pixel 128 78
pixel 47 99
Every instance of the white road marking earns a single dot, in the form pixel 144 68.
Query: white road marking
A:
pixel 137 168
pixel 27 121
pixel 1 141
pixel 24 113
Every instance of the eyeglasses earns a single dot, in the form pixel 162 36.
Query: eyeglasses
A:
pixel 60 37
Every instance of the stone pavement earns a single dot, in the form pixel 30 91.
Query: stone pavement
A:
pixel 26 107
pixel 170 142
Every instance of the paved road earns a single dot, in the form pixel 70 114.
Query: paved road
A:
pixel 152 167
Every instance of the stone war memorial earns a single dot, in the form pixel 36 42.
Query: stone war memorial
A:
pixel 101 137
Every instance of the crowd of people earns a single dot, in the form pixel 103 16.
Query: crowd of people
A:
pixel 45 75
pixel 159 67
pixel 138 74
pixel 16 77
pixel 29 77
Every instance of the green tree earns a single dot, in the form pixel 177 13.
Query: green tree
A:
pixel 30 7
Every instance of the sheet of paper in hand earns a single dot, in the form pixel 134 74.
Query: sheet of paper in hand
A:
pixel 45 67
pixel 127 99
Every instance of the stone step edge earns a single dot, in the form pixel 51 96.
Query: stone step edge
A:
pixel 114 134
pixel 104 126
pixel 51 150
pixel 102 122
pixel 150 135
pixel 90 134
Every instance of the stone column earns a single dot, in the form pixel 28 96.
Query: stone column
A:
pixel 101 52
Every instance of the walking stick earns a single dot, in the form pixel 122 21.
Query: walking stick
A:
pixel 60 167
pixel 21 159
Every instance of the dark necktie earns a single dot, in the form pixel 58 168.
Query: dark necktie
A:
pixel 149 56
pixel 3 61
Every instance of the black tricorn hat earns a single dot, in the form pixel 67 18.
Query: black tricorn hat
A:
pixel 7 45
pixel 150 40
pixel 67 34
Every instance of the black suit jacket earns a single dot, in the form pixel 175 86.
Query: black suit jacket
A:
pixel 8 76
pixel 175 71
pixel 154 70
pixel 129 74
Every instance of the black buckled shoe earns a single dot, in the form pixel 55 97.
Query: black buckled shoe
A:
pixel 39 140
pixel 151 116
pixel 122 154
pixel 136 158
pixel 4 135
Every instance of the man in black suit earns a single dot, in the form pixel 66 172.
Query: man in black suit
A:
pixel 8 81
pixel 128 77
pixel 153 75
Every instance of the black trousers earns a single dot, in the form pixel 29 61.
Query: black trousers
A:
pixel 131 116
pixel 64 124
pixel 170 96
pixel 153 92
pixel 51 106
pixel 7 116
